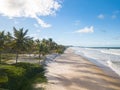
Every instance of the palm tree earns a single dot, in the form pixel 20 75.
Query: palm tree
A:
pixel 21 41
pixel 8 41
pixel 60 49
pixel 42 47
pixel 45 45
pixel 2 43
pixel 38 43
pixel 50 44
pixel 31 47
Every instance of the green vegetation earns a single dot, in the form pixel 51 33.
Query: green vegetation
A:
pixel 21 76
pixel 20 43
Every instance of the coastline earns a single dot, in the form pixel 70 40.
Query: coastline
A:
pixel 73 72
pixel 106 69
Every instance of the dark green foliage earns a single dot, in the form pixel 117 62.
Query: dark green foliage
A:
pixel 13 74
pixel 20 76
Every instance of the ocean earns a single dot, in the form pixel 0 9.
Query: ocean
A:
pixel 106 56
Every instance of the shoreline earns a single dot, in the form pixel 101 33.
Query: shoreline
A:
pixel 103 64
pixel 109 71
pixel 70 71
pixel 106 69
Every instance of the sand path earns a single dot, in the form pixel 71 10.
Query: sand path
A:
pixel 72 72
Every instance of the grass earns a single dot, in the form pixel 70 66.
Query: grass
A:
pixel 21 76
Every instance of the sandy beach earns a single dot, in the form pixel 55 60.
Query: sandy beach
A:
pixel 72 72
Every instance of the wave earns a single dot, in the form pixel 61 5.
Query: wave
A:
pixel 111 51
pixel 106 57
pixel 115 66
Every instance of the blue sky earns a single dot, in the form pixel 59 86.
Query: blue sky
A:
pixel 68 22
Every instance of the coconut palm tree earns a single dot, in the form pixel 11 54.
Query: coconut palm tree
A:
pixel 21 41
pixel 39 48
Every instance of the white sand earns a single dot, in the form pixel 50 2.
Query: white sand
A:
pixel 72 72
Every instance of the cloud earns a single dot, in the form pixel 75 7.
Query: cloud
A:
pixel 101 16
pixel 42 23
pixel 29 8
pixel 86 30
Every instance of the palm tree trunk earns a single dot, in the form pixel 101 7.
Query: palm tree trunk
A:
pixel 0 58
pixel 16 57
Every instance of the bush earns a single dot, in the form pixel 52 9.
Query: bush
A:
pixel 12 75
pixel 20 76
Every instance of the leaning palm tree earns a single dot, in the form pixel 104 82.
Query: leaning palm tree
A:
pixel 2 43
pixel 21 41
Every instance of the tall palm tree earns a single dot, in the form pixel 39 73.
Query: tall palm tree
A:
pixel 38 43
pixel 2 43
pixel 21 41
pixel 40 48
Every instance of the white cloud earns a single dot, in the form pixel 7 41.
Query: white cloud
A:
pixel 86 30
pixel 101 16
pixel 42 23
pixel 29 8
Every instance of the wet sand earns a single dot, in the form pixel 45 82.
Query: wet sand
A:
pixel 73 72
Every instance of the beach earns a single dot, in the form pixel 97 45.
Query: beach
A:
pixel 70 71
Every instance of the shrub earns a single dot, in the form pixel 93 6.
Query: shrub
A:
pixel 20 76
pixel 12 75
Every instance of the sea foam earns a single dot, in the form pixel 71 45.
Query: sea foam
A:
pixel 107 57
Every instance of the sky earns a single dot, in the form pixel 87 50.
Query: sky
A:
pixel 91 23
